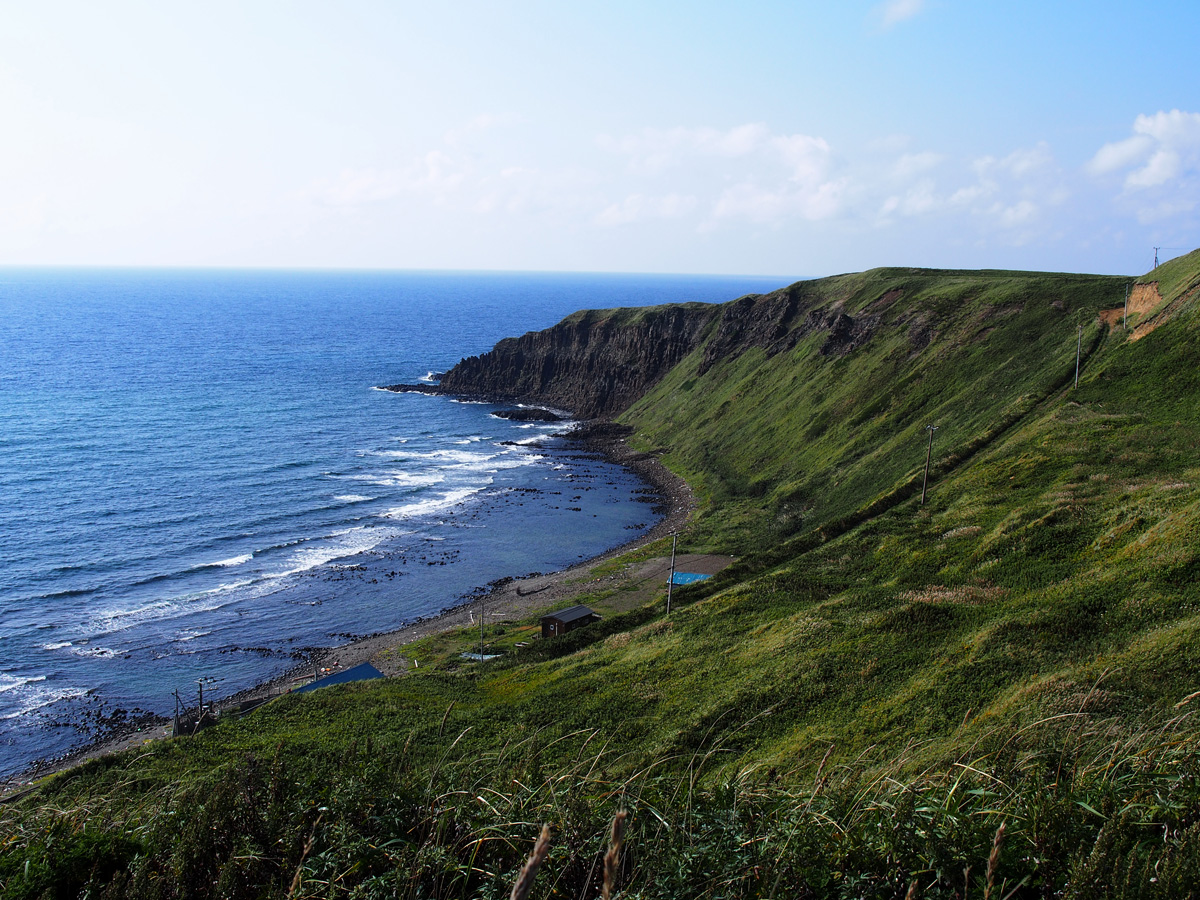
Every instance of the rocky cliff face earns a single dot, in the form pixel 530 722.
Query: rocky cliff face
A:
pixel 777 321
pixel 597 363
pixel 593 363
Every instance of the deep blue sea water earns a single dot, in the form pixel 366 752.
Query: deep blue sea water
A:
pixel 198 479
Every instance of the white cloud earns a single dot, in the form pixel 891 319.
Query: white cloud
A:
pixel 674 182
pixel 638 207
pixel 920 199
pixel 893 12
pixel 1120 154
pixel 655 150
pixel 1164 147
pixel 477 126
pixel 775 205
pixel 746 172
pixel 1006 192
pixel 807 157
pixel 435 172
pixel 910 165
pixel 1020 163
pixel 1020 213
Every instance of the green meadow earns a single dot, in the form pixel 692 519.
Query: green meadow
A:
pixel 990 694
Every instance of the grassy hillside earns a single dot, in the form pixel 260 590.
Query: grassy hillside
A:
pixel 811 437
pixel 853 708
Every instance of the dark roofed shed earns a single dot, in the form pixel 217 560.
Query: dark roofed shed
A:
pixel 564 620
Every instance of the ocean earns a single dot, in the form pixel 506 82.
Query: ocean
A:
pixel 200 481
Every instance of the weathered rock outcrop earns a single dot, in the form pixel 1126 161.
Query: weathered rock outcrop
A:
pixel 777 321
pixel 594 363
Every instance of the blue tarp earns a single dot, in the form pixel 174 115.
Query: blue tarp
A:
pixel 688 577
pixel 362 672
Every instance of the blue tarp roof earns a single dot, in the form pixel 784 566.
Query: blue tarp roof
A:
pixel 361 672
pixel 688 577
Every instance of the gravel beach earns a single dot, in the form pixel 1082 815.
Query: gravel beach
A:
pixel 510 599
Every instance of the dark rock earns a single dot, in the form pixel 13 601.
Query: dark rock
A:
pixel 529 414
pixel 593 363
pixel 778 321
pixel 412 388
pixel 598 363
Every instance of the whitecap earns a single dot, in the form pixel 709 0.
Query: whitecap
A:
pixel 399 479
pixel 352 498
pixel 56 646
pixel 340 544
pixel 44 697
pixel 94 652
pixel 112 620
pixel 511 461
pixel 432 505
pixel 435 456
pixel 10 682
pixel 232 561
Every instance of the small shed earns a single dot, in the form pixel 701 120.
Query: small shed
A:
pixel 565 620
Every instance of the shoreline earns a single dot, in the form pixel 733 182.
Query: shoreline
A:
pixel 506 598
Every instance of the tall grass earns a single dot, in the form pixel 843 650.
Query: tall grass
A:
pixel 1071 807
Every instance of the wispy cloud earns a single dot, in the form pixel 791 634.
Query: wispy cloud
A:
pixel 678 183
pixel 1010 193
pixel 435 172
pixel 639 207
pixel 746 173
pixel 893 12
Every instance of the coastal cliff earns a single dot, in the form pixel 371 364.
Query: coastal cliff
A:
pixel 598 363
pixel 593 363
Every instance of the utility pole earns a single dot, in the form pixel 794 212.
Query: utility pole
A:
pixel 671 580
pixel 481 627
pixel 1079 347
pixel 1156 249
pixel 1125 323
pixel 928 454
pixel 200 710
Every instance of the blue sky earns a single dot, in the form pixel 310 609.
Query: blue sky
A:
pixel 783 138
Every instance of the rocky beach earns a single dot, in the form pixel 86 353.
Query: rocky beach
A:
pixel 508 599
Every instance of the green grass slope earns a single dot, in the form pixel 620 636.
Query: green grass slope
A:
pixel 852 709
pixel 813 437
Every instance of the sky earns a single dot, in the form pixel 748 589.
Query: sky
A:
pixel 763 137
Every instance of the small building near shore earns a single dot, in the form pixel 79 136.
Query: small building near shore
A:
pixel 565 620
